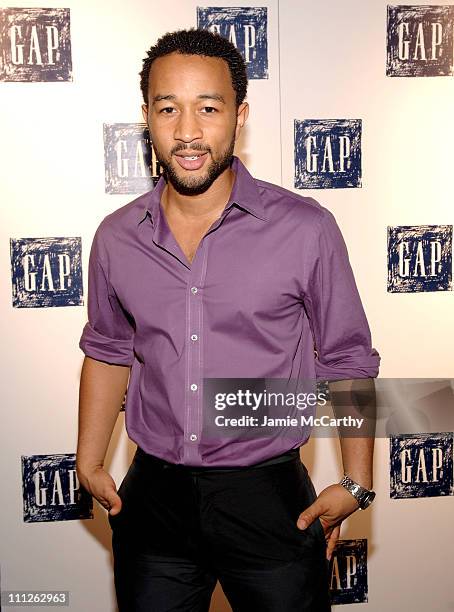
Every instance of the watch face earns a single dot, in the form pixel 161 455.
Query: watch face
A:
pixel 368 500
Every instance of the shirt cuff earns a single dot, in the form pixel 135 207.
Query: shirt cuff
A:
pixel 355 367
pixel 103 348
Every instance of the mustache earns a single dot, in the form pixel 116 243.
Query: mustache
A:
pixel 195 147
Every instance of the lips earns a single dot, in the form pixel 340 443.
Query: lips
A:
pixel 191 162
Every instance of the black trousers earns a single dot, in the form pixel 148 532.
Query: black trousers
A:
pixel 183 528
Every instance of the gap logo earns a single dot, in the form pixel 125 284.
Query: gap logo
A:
pixel 419 258
pixel 46 272
pixel 421 465
pixel 51 490
pixel 348 572
pixel 327 153
pixel 246 28
pixel 35 44
pixel 130 162
pixel 419 41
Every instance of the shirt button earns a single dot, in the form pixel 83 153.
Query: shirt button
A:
pixel 193 437
pixel 193 387
pixel 194 289
pixel 194 337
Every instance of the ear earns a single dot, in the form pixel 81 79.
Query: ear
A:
pixel 241 117
pixel 145 112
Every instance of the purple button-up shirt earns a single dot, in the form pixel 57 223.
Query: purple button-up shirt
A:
pixel 269 294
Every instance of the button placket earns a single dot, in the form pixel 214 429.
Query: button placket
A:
pixel 194 369
pixel 194 374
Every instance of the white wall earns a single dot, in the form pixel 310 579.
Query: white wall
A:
pixel 326 60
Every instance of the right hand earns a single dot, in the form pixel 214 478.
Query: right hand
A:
pixel 101 486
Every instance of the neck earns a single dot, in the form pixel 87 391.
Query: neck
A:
pixel 197 207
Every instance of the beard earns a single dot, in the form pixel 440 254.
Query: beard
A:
pixel 195 185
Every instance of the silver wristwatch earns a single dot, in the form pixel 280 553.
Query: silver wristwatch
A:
pixel 363 496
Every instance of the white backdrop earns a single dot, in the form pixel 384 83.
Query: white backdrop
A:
pixel 325 60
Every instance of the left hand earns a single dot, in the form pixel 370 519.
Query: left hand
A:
pixel 332 506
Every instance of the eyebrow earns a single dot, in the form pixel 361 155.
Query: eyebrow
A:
pixel 206 96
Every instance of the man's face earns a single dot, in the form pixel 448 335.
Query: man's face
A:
pixel 193 119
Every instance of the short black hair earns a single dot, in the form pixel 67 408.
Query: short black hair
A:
pixel 198 42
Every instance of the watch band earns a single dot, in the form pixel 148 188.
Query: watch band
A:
pixel 363 496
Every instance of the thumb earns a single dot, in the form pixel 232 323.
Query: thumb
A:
pixel 115 502
pixel 308 516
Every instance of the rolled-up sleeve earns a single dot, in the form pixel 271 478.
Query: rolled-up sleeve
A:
pixel 339 326
pixel 108 334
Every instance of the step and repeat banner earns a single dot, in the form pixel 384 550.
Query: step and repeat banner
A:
pixel 351 104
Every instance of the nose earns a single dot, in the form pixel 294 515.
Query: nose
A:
pixel 187 127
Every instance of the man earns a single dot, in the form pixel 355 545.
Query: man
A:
pixel 211 275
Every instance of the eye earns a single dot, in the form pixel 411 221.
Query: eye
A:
pixel 166 109
pixel 210 109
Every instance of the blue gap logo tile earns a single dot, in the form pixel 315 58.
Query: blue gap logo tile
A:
pixel 421 465
pixel 419 41
pixel 348 572
pixel 129 159
pixel 35 44
pixel 51 490
pixel 327 153
pixel 246 28
pixel 46 272
pixel 419 258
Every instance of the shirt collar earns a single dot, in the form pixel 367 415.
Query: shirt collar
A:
pixel 245 194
